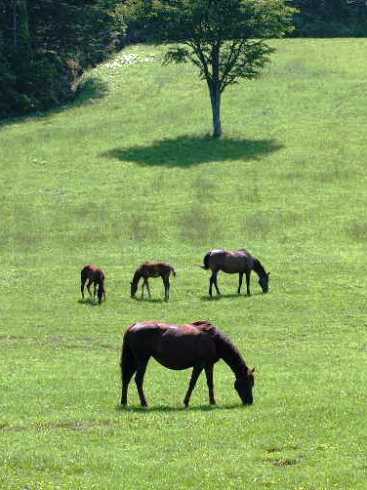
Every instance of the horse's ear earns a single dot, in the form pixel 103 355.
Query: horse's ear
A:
pixel 268 274
pixel 253 370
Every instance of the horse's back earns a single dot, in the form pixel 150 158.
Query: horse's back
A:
pixel 155 269
pixel 173 346
pixel 230 261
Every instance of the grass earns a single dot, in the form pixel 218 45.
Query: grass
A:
pixel 127 173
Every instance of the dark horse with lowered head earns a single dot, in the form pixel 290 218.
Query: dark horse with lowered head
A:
pixel 239 262
pixel 198 345
pixel 94 275
pixel 152 269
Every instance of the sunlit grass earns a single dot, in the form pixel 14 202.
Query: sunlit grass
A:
pixel 127 174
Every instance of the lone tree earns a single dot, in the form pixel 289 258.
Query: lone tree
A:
pixel 223 38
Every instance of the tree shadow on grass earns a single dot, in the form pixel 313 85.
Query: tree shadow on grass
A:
pixel 186 151
pixel 90 90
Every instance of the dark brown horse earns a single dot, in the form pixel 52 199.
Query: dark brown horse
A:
pixel 152 269
pixel 95 276
pixel 198 345
pixel 239 262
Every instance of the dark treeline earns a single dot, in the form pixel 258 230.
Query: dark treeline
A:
pixel 330 18
pixel 45 45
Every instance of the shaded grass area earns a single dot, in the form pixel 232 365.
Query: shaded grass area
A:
pixel 127 174
pixel 185 151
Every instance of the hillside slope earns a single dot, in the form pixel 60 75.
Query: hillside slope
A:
pixel 127 174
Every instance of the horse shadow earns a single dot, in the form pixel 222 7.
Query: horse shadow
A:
pixel 149 300
pixel 186 151
pixel 229 296
pixel 169 409
pixel 88 302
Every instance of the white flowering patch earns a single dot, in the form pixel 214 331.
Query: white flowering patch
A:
pixel 129 59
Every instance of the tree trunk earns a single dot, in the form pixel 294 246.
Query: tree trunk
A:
pixel 215 92
pixel 215 100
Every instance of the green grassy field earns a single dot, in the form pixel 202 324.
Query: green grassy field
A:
pixel 127 174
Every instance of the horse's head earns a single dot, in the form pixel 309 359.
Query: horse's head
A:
pixel 134 288
pixel 244 384
pixel 264 282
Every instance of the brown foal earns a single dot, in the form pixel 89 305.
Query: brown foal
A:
pixel 152 269
pixel 94 275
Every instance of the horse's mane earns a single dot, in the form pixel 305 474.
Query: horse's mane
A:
pixel 204 325
pixel 137 275
pixel 229 352
pixel 258 268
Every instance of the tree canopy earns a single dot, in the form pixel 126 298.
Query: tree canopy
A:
pixel 225 40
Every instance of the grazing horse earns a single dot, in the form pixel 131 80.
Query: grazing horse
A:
pixel 240 262
pixel 95 276
pixel 152 269
pixel 198 345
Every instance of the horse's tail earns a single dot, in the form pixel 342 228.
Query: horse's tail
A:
pixel 83 279
pixel 127 358
pixel 206 261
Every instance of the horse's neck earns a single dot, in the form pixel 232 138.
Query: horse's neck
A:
pixel 258 268
pixel 230 355
pixel 137 277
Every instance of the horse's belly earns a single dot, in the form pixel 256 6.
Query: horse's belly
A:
pixel 176 364
pixel 184 353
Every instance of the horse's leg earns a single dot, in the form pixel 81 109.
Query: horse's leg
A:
pixel 194 377
pixel 139 379
pixel 148 288
pixel 142 288
pixel 82 284
pixel 128 372
pixel 166 287
pixel 209 381
pixel 240 282
pixel 94 289
pixel 216 282
pixel 89 283
pixel 211 282
pixel 248 274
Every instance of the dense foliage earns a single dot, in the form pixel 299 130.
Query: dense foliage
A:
pixel 329 18
pixel 45 45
